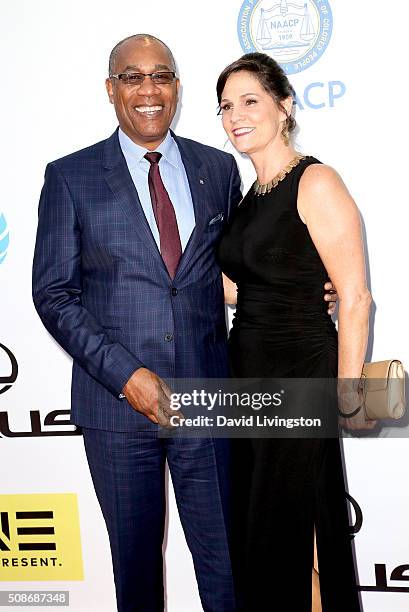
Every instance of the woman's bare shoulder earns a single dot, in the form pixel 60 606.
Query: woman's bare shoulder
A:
pixel 320 178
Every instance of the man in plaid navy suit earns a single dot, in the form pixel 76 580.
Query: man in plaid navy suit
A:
pixel 103 290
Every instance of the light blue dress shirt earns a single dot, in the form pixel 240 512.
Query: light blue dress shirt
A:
pixel 174 178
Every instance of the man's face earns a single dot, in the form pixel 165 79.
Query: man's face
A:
pixel 144 112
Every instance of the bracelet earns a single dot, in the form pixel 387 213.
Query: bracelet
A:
pixel 348 415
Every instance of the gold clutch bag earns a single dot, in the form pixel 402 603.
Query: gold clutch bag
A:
pixel 383 384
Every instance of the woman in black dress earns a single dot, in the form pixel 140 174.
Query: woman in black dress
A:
pixel 295 228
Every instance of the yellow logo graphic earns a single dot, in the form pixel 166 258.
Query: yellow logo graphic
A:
pixel 40 537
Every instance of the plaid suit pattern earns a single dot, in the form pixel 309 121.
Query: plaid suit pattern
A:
pixel 103 292
pixel 128 475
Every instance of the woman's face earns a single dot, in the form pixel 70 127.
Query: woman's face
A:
pixel 251 118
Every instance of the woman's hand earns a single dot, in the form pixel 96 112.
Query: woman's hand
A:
pixel 359 421
pixel 351 400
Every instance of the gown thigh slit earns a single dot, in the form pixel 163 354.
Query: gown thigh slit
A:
pixel 316 595
pixel 284 489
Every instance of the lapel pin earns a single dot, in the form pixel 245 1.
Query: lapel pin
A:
pixel 201 181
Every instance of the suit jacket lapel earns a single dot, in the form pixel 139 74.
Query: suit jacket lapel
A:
pixel 122 186
pixel 198 183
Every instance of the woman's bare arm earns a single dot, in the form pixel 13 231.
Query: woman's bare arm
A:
pixel 333 222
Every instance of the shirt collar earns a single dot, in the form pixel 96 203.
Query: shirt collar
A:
pixel 134 153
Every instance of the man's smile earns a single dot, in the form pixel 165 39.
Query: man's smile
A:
pixel 149 111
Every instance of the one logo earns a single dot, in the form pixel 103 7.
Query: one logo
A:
pixel 4 238
pixel 40 537
pixel 295 34
pixel 12 369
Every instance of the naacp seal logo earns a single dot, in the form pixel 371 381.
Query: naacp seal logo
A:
pixel 295 34
pixel 4 238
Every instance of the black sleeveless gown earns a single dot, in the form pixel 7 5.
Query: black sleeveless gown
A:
pixel 283 489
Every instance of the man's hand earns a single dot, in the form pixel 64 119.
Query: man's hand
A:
pixel 331 296
pixel 150 395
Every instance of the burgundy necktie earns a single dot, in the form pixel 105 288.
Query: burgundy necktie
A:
pixel 170 246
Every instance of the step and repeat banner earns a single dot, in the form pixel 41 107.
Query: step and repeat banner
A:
pixel 346 62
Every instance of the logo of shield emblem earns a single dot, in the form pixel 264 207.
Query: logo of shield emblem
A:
pixel 295 33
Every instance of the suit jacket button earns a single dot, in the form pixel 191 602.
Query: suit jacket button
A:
pixel 174 291
pixel 168 337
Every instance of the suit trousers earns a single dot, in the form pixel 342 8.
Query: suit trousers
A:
pixel 128 472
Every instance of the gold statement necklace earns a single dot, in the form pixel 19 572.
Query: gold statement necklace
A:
pixel 261 190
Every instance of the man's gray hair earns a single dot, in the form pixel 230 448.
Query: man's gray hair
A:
pixel 114 53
